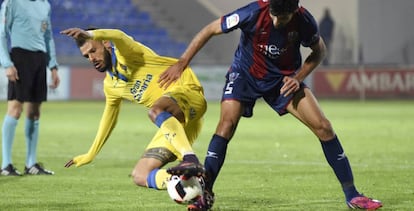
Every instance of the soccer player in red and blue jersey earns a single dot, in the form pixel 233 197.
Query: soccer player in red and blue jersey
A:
pixel 268 64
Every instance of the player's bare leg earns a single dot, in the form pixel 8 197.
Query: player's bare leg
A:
pixel 142 170
pixel 305 107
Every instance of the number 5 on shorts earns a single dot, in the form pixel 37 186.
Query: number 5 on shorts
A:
pixel 229 88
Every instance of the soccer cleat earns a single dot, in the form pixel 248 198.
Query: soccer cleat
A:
pixel 363 202
pixel 187 169
pixel 204 203
pixel 198 205
pixel 37 169
pixel 10 170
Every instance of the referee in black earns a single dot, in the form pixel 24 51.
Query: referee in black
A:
pixel 26 23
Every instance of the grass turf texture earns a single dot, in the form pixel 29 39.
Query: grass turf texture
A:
pixel 273 163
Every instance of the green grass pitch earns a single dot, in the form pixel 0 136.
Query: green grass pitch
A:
pixel 273 163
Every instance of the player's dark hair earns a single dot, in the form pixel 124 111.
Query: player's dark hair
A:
pixel 81 42
pixel 278 7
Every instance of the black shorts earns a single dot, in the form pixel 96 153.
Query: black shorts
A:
pixel 31 68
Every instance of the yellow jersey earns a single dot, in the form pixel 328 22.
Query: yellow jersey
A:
pixel 136 69
pixel 134 76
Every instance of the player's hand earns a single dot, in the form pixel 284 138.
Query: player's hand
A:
pixel 55 79
pixel 69 164
pixel 291 85
pixel 11 74
pixel 80 160
pixel 170 75
pixel 76 33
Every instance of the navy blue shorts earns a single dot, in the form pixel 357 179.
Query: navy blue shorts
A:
pixel 241 88
pixel 31 68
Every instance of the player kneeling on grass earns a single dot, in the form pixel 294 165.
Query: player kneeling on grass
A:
pixel 132 71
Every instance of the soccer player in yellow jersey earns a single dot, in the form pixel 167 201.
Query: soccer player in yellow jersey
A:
pixel 132 71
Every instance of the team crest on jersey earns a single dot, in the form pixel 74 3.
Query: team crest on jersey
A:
pixel 293 36
pixel 232 20
pixel 44 26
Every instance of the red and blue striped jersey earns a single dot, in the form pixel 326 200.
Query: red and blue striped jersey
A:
pixel 266 52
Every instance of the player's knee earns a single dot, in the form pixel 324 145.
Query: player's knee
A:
pixel 33 110
pixel 14 110
pixel 324 130
pixel 15 114
pixel 139 179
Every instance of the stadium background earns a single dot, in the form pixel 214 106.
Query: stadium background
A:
pixel 372 53
pixel 377 134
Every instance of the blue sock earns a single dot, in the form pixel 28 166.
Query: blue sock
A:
pixel 8 130
pixel 151 180
pixel 336 158
pixel 161 117
pixel 31 131
pixel 215 159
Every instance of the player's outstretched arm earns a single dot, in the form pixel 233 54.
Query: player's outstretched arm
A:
pixel 77 33
pixel 173 73
pixel 79 160
pixel 69 164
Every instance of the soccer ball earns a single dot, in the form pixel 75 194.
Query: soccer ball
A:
pixel 184 191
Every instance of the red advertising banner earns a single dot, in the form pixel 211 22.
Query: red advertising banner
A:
pixel 364 83
pixel 86 84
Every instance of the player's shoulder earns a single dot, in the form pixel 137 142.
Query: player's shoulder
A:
pixel 305 15
pixel 8 4
pixel 302 11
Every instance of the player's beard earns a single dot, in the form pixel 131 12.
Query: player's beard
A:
pixel 107 61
